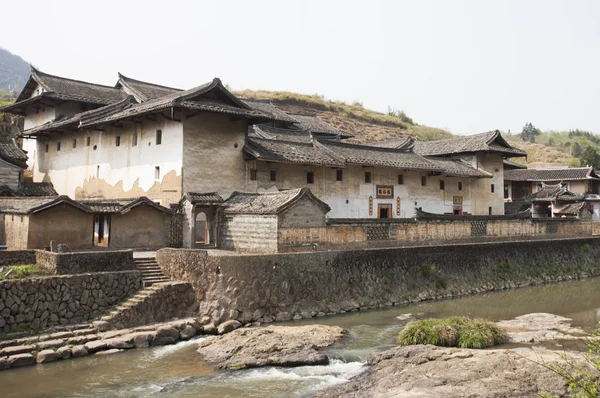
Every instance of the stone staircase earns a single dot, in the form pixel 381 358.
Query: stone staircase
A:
pixel 139 297
pixel 151 272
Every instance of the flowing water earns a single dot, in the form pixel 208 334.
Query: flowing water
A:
pixel 176 371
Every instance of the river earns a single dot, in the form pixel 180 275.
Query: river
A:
pixel 176 371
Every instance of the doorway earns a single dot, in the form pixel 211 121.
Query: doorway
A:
pixel 384 210
pixel 201 227
pixel 101 230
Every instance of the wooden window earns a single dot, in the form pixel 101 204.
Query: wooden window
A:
pixel 252 175
pixel 74 143
pixel 367 176
pixel 339 175
pixel 400 179
pixel 87 141
pixel 460 185
pixel 442 185
pixel 423 180
pixel 310 177
pixel 273 175
pixel 158 137
pixel 492 188
pixel 157 173
pixel 118 140
pixel 58 146
pixel 134 139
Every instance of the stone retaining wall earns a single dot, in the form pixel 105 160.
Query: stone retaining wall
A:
pixel 62 300
pixel 285 286
pixel 83 262
pixel 17 257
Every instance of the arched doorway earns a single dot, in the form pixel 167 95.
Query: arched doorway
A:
pixel 202 231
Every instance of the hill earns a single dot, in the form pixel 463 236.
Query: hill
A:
pixel 14 71
pixel 364 124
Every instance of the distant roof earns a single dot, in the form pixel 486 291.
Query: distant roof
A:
pixel 553 192
pixel 267 131
pixel 11 153
pixel 316 125
pixel 268 107
pixel 143 91
pixel 29 205
pixel 30 189
pixel 209 198
pixel 398 143
pixel 551 174
pixel 458 168
pixel 509 165
pixel 281 151
pixel 269 202
pixel 121 206
pixel 571 209
pixel 491 141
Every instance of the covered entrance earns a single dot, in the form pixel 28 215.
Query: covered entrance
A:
pixel 200 219
pixel 101 230
pixel 384 210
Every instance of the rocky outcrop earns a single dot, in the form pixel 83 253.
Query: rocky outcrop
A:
pixel 430 371
pixel 540 327
pixel 270 346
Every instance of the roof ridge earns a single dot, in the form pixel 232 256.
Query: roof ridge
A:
pixel 121 76
pixel 38 72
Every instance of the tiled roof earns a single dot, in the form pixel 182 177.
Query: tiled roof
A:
pixel 71 89
pixel 25 205
pixel 551 174
pixel 202 197
pixel 37 189
pixel 290 152
pixel 570 209
pixel 510 165
pixel 554 192
pixel 144 91
pixel 120 205
pixel 268 107
pixel 273 133
pixel 486 142
pixel 458 168
pixel 399 143
pixel 269 202
pixel 11 153
pixel 316 125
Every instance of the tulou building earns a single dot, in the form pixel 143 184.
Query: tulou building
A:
pixel 188 151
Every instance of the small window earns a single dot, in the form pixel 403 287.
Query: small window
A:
pixel 118 140
pixel 400 179
pixel 460 185
pixel 134 139
pixel 97 171
pixel 47 147
pixel 87 141
pixel 252 175
pixel 273 175
pixel 58 146
pixel 157 173
pixel 490 210
pixel 158 137
pixel 442 185
pixel 339 175
pixel 310 177
pixel 492 188
pixel 424 180
pixel 367 176
pixel 74 143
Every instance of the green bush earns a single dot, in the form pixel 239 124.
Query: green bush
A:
pixel 456 331
pixel 22 271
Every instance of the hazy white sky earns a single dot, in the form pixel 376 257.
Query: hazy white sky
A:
pixel 467 66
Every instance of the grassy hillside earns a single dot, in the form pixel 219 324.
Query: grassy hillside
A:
pixel 364 124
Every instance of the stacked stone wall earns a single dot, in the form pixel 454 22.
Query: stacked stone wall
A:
pixel 17 257
pixel 39 303
pixel 83 262
pixel 301 285
pixel 249 233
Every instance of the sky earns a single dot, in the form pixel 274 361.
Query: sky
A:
pixel 465 66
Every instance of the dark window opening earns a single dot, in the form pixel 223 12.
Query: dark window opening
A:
pixel 97 171
pixel 134 139
pixel 273 175
pixel 58 146
pixel 310 177
pixel 74 143
pixel 339 175
pixel 118 140
pixel 492 188
pixel 87 141
pixel 157 173
pixel 367 176
pixel 442 184
pixel 252 175
pixel 506 191
pixel 490 210
pixel 460 185
pixel 400 179
pixel 423 180
pixel 47 147
pixel 158 137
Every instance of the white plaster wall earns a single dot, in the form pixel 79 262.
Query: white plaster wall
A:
pixel 37 117
pixel 125 166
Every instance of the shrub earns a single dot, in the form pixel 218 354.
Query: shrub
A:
pixel 22 271
pixel 461 332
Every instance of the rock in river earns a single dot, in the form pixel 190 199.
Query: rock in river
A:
pixel 540 327
pixel 270 346
pixel 430 371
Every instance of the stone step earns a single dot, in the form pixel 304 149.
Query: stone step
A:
pixel 141 267
pixel 145 261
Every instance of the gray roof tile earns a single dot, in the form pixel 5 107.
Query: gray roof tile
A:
pixel 268 202
pixel 491 141
pixel 551 174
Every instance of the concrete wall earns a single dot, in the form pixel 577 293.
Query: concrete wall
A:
pixel 63 224
pixel 302 285
pixel 104 170
pixel 83 262
pixel 63 300
pixel 248 233
pixel 143 226
pixel 212 154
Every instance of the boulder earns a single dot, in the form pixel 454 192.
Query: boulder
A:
pixel 109 352
pixel 94 346
pixel 17 349
pixel 142 339
pixel 209 328
pixel 540 327
pixel 19 360
pixel 228 326
pixel 64 352
pixel 44 345
pixel 187 332
pixel 46 356
pixel 270 346
pixel 165 335
pixel 79 351
pixel 122 342
pixel 4 364
pixel 101 326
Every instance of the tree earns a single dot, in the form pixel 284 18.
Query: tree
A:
pixel 590 157
pixel 529 132
pixel 577 151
